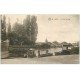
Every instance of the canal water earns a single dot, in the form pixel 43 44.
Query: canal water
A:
pixel 51 50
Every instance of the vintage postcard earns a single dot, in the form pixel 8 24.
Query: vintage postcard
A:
pixel 39 39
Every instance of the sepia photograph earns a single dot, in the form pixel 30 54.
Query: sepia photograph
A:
pixel 39 39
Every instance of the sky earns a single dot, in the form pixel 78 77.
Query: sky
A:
pixel 53 27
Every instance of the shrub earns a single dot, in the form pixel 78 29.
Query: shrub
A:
pixel 74 50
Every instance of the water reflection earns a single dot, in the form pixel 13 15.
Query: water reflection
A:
pixel 51 50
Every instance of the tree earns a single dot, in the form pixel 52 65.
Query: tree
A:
pixel 9 27
pixel 34 29
pixel 31 28
pixel 9 33
pixel 27 27
pixel 26 33
pixel 3 28
pixel 18 33
pixel 56 44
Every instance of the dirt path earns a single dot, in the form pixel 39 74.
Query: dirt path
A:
pixel 62 59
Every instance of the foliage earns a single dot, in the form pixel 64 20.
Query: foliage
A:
pixel 3 28
pixel 43 46
pixel 74 50
pixel 26 33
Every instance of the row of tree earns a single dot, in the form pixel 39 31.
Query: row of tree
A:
pixel 3 28
pixel 21 34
